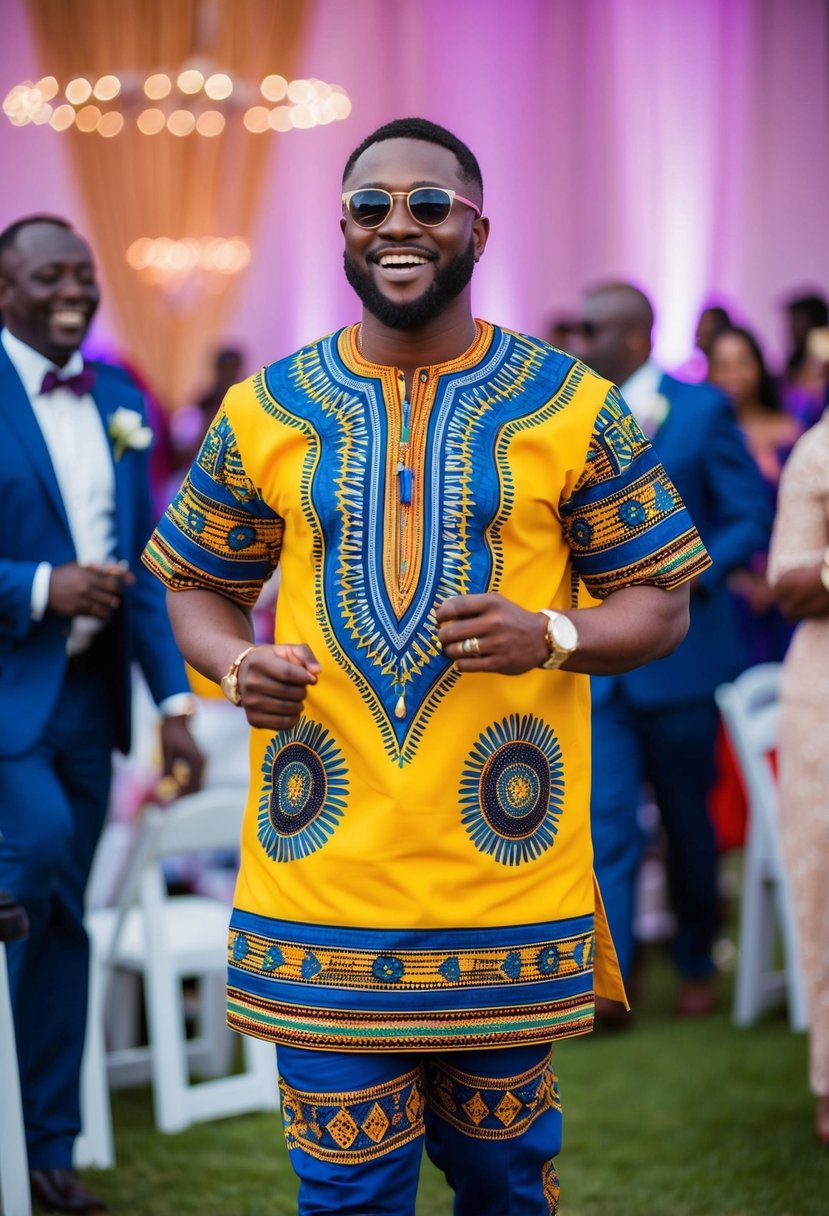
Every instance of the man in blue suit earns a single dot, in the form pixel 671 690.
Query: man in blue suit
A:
pixel 658 724
pixel 76 608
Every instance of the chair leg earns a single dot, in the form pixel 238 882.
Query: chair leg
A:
pixel 211 1053
pixel 94 1146
pixel 167 1030
pixel 15 1198
pixel 756 938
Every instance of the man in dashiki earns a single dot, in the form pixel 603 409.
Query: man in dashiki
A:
pixel 416 918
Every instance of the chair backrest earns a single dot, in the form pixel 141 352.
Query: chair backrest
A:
pixel 195 823
pixel 751 715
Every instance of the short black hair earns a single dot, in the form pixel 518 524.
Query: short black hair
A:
pixel 430 133
pixel 814 307
pixel 720 315
pixel 10 233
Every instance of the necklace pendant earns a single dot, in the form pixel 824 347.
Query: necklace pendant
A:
pixel 404 474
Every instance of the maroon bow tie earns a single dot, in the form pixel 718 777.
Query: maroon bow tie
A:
pixel 78 384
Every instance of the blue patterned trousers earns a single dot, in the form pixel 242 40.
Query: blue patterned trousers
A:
pixel 356 1124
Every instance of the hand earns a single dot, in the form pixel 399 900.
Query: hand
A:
pixel 92 590
pixel 273 681
pixel 511 640
pixel 182 760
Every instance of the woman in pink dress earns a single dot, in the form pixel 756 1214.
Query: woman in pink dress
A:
pixel 799 574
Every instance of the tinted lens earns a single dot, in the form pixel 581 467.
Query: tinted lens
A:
pixel 369 208
pixel 430 205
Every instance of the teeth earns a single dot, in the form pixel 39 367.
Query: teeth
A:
pixel 68 316
pixel 402 259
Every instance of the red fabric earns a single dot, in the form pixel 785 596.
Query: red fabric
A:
pixel 727 803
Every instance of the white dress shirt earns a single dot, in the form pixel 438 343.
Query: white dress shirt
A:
pixel 81 457
pixel 646 403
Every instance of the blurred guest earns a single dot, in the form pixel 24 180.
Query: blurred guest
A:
pixel 76 609
pixel 802 385
pixel 189 424
pixel 659 724
pixel 712 320
pixel 737 367
pixel 799 570
pixel 561 331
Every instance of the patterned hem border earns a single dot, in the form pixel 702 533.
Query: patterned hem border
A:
pixel 345 1030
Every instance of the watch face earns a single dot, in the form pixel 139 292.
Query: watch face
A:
pixel 565 633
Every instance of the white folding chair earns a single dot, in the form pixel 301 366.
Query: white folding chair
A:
pixel 167 939
pixel 15 1197
pixel 750 712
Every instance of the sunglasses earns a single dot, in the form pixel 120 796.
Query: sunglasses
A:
pixel 589 329
pixel 428 206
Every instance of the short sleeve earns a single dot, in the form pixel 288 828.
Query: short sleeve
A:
pixel 218 534
pixel 625 522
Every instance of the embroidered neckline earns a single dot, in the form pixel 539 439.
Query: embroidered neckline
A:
pixel 350 353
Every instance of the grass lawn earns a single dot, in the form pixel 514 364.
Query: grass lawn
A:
pixel 663 1119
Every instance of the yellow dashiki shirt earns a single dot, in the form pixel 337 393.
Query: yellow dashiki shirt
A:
pixel 416 858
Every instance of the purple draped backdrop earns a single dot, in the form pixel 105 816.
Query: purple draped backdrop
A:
pixel 681 143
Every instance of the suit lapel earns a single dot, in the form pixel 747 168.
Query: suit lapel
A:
pixel 18 415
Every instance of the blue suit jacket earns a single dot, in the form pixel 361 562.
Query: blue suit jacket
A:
pixel 36 529
pixel 705 455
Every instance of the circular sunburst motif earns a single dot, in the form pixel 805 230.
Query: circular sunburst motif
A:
pixel 303 791
pixel 512 790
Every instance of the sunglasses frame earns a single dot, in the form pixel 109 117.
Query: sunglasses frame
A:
pixel 407 194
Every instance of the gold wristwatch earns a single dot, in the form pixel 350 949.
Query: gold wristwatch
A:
pixel 562 638
pixel 230 683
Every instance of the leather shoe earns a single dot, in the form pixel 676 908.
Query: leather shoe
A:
pixel 697 998
pixel 822 1120
pixel 61 1190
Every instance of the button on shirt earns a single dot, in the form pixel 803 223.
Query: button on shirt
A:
pixel 81 457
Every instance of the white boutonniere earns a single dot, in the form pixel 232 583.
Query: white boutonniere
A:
pixel 655 415
pixel 127 430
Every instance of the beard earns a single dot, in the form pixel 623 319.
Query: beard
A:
pixel 448 283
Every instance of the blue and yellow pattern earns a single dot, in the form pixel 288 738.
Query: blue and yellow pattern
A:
pixel 303 792
pixel 416 853
pixel 350 1127
pixel 490 1108
pixel 367 986
pixel 512 792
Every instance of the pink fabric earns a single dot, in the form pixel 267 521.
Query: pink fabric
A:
pixel 681 145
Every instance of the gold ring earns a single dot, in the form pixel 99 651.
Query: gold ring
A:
pixel 471 646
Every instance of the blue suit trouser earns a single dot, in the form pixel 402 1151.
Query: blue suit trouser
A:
pixel 356 1124
pixel 672 749
pixel 53 802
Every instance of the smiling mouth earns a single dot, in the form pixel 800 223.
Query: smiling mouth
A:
pixel 404 260
pixel 71 318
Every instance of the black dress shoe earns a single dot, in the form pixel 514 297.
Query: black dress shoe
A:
pixel 62 1191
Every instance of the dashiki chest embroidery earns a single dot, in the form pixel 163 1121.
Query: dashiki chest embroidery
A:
pixel 416 850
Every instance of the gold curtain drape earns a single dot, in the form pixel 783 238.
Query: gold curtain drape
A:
pixel 138 185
